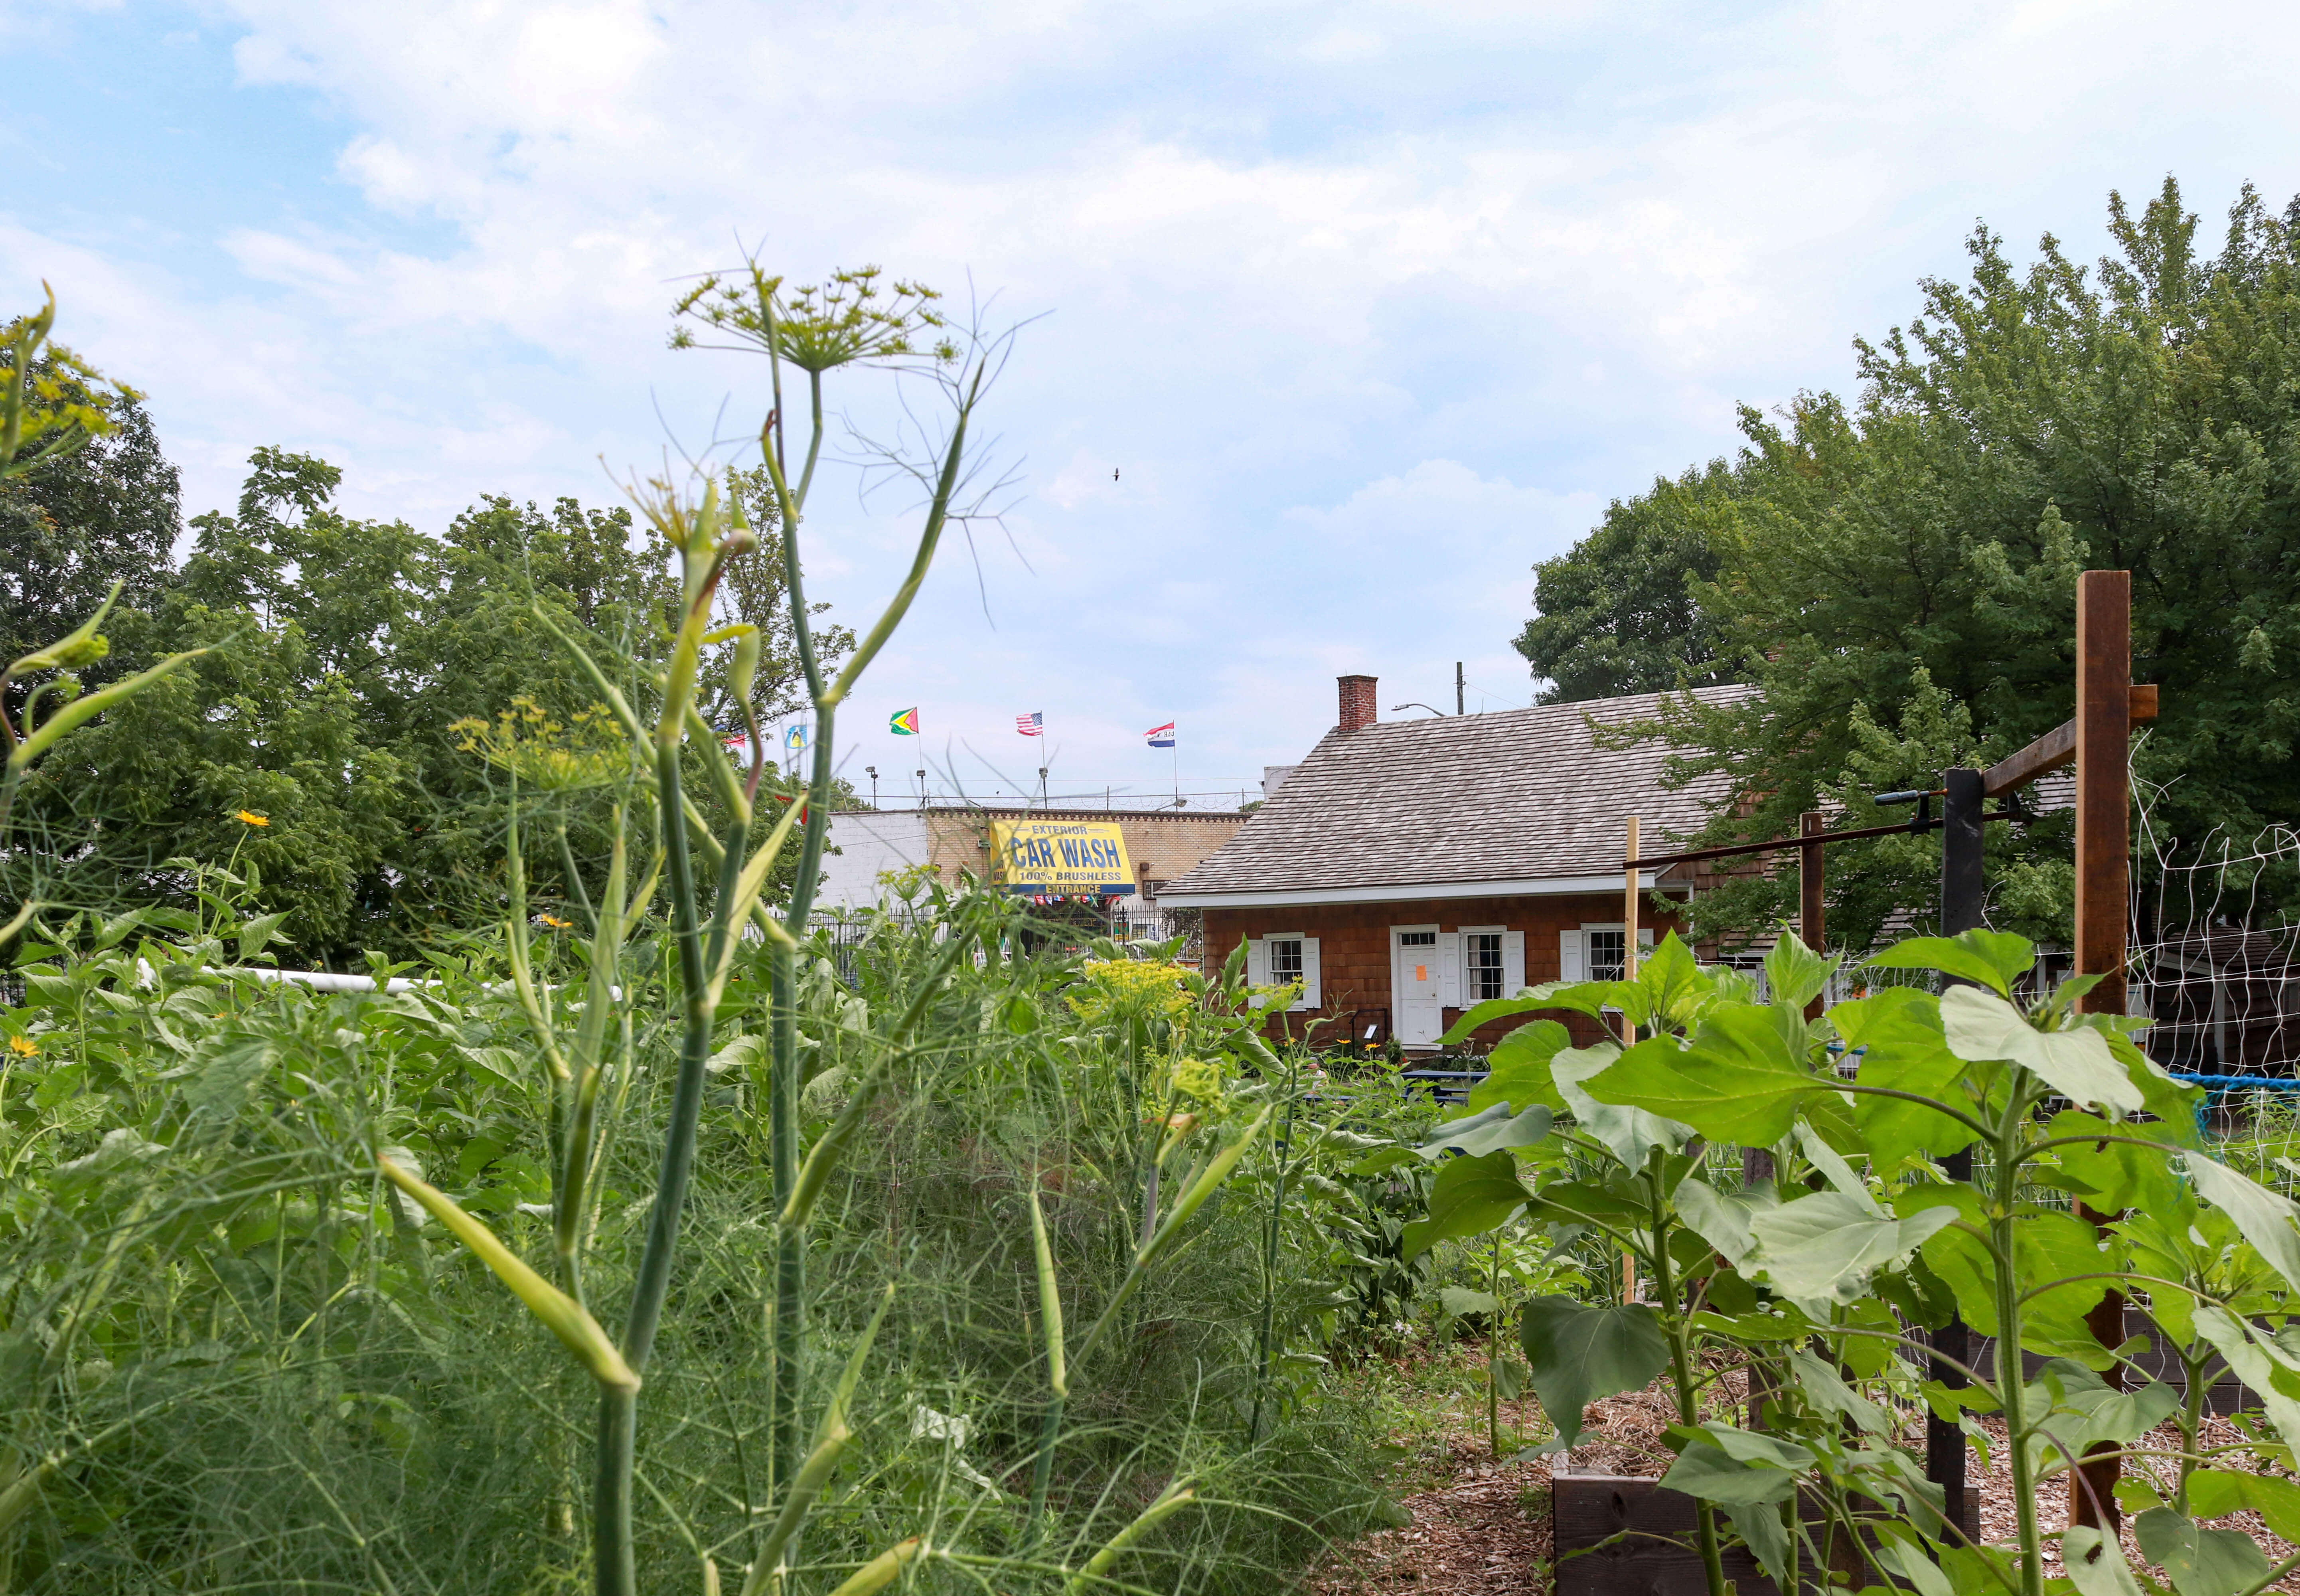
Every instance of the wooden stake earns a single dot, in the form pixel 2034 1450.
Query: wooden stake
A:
pixel 1629 909
pixel 2104 894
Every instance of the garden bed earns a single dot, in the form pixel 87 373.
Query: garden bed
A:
pixel 1482 1528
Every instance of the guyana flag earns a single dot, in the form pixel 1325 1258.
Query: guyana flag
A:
pixel 903 722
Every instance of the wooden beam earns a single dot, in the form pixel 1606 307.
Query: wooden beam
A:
pixel 2058 747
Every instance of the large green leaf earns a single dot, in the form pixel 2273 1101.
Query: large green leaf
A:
pixel 1531 1001
pixel 1470 1197
pixel 1759 1525
pixel 2113 1172
pixel 2200 1562
pixel 1993 958
pixel 2095 1563
pixel 2172 1103
pixel 1823 1249
pixel 2258 1362
pixel 2214 1494
pixel 1674 985
pixel 1518 1068
pixel 1825 1389
pixel 2265 1218
pixel 1490 1130
pixel 1630 1133
pixel 2080 1409
pixel 1577 1352
pixel 1722 1220
pixel 1736 1081
pixel 1742 1477
pixel 2077 1063
pixel 1794 975
pixel 1897 1034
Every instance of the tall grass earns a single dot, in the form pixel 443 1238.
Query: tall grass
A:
pixel 240 1363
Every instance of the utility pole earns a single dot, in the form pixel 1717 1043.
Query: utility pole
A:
pixel 873 771
pixel 1459 698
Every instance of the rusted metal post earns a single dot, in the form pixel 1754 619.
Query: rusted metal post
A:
pixel 2104 729
pixel 1811 876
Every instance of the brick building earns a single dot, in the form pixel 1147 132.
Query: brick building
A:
pixel 1407 870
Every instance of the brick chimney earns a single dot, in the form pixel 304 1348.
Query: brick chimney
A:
pixel 1357 701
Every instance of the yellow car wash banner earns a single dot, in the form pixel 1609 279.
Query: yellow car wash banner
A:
pixel 1060 858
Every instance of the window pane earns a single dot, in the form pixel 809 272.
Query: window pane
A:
pixel 1417 938
pixel 1285 960
pixel 1483 951
pixel 1605 954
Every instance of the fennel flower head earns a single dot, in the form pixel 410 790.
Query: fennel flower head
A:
pixel 1123 988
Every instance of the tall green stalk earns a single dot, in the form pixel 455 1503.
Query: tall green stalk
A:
pixel 1679 1330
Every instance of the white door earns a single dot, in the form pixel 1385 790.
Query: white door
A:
pixel 1417 985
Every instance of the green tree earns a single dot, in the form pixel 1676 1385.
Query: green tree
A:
pixel 72 525
pixel 1615 613
pixel 2025 426
pixel 331 749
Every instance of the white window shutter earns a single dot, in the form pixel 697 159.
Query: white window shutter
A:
pixel 1571 964
pixel 1257 961
pixel 1310 994
pixel 1449 969
pixel 1513 963
pixel 1645 936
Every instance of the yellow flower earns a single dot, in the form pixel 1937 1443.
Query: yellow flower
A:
pixel 247 819
pixel 22 1047
pixel 554 923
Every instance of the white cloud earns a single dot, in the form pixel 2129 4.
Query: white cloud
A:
pixel 1370 304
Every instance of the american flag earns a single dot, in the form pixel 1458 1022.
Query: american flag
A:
pixel 1033 724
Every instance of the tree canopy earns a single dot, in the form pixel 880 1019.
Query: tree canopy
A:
pixel 334 747
pixel 1898 574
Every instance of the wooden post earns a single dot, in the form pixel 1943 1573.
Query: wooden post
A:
pixel 1810 913
pixel 2104 782
pixel 1629 909
pixel 2103 728
pixel 1629 1030
pixel 1962 895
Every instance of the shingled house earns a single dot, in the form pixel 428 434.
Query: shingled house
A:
pixel 1408 869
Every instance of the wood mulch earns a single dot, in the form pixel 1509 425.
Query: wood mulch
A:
pixel 1484 1528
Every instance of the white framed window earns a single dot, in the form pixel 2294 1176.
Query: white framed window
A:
pixel 1483 974
pixel 1593 952
pixel 1284 956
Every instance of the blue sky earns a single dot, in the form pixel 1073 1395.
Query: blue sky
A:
pixel 1369 306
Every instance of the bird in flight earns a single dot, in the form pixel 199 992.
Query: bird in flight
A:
pixel 1113 473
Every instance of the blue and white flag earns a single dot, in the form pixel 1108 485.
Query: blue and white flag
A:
pixel 1161 737
pixel 794 740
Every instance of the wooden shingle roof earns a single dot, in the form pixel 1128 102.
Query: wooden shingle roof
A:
pixel 1518 796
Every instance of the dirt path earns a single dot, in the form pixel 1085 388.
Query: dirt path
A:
pixel 1483 1529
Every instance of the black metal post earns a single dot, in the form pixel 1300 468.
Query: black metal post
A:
pixel 1960 910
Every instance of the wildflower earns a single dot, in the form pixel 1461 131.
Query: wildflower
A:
pixel 555 922
pixel 22 1047
pixel 248 819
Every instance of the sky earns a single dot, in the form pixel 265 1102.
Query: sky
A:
pixel 1334 319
